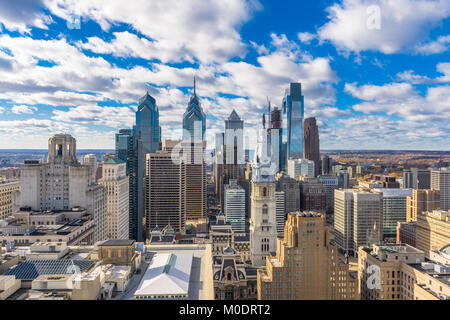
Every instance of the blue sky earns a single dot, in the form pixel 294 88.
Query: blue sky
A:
pixel 375 73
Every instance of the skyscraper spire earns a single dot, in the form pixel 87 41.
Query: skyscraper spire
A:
pixel 194 87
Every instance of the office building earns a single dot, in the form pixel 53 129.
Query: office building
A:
pixel 432 231
pixel 399 272
pixel 331 183
pixel 326 164
pixel 165 192
pixel 194 119
pixel 312 145
pixel 313 195
pixel 91 161
pixel 7 189
pixel 62 184
pixel 440 180
pixel 148 140
pixel 406 233
pixel 126 150
pixel 275 132
pixel 421 201
pixel 293 111
pixel 116 183
pixel 291 190
pixel 280 216
pixel 306 265
pixel 394 209
pixel 263 223
pixel 300 168
pixel 235 206
pixel 358 218
pixel 415 178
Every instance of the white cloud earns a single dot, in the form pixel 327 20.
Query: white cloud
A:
pixel 23 109
pixel 20 15
pixel 306 37
pixel 439 46
pixel 403 24
pixel 179 30
pixel 441 68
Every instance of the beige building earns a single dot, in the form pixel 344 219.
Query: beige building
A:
pixel 7 189
pixel 62 183
pixel 358 218
pixel 398 272
pixel 8 286
pixel 306 265
pixel 440 180
pixel 432 231
pixel 420 201
pixel 116 183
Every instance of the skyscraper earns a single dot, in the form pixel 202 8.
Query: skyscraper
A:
pixel 440 180
pixel 235 206
pixel 280 216
pixel 276 137
pixel 194 119
pixel 116 183
pixel 293 109
pixel 420 201
pixel 416 178
pixel 148 139
pixel 312 146
pixel 126 150
pixel 300 168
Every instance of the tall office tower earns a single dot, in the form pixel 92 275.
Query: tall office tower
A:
pixel 165 192
pixel 235 206
pixel 415 178
pixel 194 120
pixel 275 132
pixel 394 209
pixel 432 231
pixel 306 266
pixel 312 146
pixel 263 225
pixel 331 183
pixel 293 109
pixel 313 196
pixel 421 201
pixel 116 183
pixel 440 180
pixel 7 189
pixel 148 140
pixel 218 164
pixel 91 161
pixel 62 183
pixel 326 164
pixel 358 217
pixel 126 150
pixel 291 191
pixel 343 178
pixel 280 216
pixel 300 168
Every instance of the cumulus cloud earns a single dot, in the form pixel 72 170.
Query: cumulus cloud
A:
pixel 23 109
pixel 402 25
pixel 439 46
pixel 19 15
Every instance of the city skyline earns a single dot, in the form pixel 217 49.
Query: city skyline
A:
pixel 66 69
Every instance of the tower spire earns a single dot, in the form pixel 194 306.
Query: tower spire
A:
pixel 194 87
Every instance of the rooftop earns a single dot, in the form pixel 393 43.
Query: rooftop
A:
pixel 116 243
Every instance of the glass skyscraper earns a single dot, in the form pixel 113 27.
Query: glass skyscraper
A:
pixel 126 150
pixel 293 109
pixel 194 120
pixel 148 140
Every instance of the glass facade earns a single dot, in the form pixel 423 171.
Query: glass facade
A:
pixel 126 150
pixel 293 108
pixel 194 120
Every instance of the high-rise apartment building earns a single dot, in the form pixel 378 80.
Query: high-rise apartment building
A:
pixel 126 150
pixel 293 109
pixel 394 209
pixel 148 140
pixel 300 168
pixel 432 231
pixel 165 192
pixel 440 180
pixel 263 223
pixel 235 206
pixel 358 218
pixel 280 216
pixel 312 144
pixel 306 265
pixel 62 183
pixel 116 183
pixel 421 201
pixel 7 189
